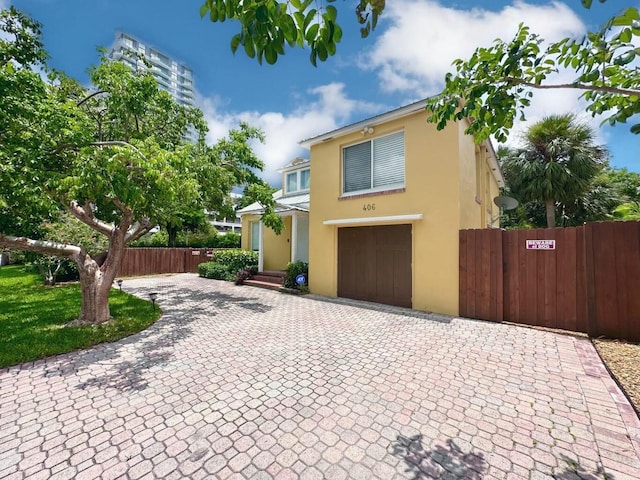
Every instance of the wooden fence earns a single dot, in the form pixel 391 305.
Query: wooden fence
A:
pixel 149 261
pixel 589 283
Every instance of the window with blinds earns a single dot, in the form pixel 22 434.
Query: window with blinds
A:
pixel 375 165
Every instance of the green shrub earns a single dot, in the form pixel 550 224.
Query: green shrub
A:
pixel 192 240
pixel 213 270
pixel 227 263
pixel 228 240
pixel 51 269
pixel 293 270
pixel 159 239
pixel 236 260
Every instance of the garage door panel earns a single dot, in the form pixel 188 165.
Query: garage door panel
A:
pixel 374 264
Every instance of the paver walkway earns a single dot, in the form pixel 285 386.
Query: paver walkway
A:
pixel 237 382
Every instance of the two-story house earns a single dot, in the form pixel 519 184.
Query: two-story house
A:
pixel 382 210
pixel 389 195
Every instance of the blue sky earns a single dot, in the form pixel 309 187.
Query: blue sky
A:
pixel 404 60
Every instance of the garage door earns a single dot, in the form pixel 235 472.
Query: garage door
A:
pixel 374 264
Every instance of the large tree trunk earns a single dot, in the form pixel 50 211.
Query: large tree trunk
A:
pixel 95 293
pixel 172 235
pixel 550 207
pixel 96 275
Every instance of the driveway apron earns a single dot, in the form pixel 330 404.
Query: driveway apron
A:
pixel 238 382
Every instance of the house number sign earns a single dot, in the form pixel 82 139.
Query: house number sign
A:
pixel 368 207
pixel 541 244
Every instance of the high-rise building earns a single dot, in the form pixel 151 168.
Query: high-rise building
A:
pixel 172 76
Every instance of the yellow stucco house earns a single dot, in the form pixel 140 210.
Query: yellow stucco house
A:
pixel 292 204
pixel 388 196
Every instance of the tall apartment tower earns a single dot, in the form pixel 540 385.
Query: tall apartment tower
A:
pixel 172 76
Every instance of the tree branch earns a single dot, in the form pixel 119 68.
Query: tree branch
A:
pixel 578 86
pixel 85 215
pixel 90 97
pixel 46 247
pixel 139 229
pixel 117 143
pixel 109 143
pixel 121 206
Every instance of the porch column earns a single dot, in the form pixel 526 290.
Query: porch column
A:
pixel 260 249
pixel 294 236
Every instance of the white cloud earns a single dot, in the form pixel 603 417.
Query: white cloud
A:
pixel 423 38
pixel 328 108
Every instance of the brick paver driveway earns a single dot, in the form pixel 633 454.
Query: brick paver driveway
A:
pixel 236 382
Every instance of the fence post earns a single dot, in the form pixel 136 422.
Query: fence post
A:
pixel 590 281
pixel 499 266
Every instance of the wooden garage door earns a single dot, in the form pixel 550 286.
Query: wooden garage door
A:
pixel 374 264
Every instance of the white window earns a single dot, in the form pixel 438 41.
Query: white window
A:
pixel 376 165
pixel 255 236
pixel 297 181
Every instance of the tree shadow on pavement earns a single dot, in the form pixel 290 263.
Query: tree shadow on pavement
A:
pixel 126 361
pixel 575 471
pixel 450 459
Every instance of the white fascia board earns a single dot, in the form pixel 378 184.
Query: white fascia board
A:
pixel 495 166
pixel 369 122
pixel 387 219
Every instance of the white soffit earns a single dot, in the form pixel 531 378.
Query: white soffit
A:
pixel 359 220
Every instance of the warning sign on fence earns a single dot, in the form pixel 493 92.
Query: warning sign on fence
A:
pixel 541 244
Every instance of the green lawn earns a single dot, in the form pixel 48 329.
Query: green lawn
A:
pixel 33 318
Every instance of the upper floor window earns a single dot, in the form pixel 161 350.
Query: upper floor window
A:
pixel 297 181
pixel 375 165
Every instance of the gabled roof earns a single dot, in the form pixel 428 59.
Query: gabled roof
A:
pixel 368 122
pixel 283 204
pixel 294 164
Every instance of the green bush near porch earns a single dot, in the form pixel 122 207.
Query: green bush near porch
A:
pixel 227 263
pixel 293 270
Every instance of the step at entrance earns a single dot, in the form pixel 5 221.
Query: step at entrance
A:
pixel 273 280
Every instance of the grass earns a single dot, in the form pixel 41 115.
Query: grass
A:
pixel 33 318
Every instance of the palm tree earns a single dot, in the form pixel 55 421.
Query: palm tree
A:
pixel 556 163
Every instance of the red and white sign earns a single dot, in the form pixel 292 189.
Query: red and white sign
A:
pixel 541 244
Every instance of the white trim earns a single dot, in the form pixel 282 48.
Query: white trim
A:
pixel 294 236
pixel 298 174
pixel 369 122
pixel 384 188
pixel 390 218
pixel 260 250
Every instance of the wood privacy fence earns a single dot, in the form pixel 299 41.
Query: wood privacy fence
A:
pixel 148 261
pixel 589 283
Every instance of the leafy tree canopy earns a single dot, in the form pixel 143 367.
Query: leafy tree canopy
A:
pixel 267 27
pixel 556 165
pixel 495 85
pixel 113 157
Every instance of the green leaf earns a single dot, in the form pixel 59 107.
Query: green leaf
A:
pixel 235 42
pixel 309 17
pixel 204 8
pixel 635 129
pixel 249 48
pixel 312 33
pixel 270 55
pixel 289 29
pixel 331 12
pixel 262 14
